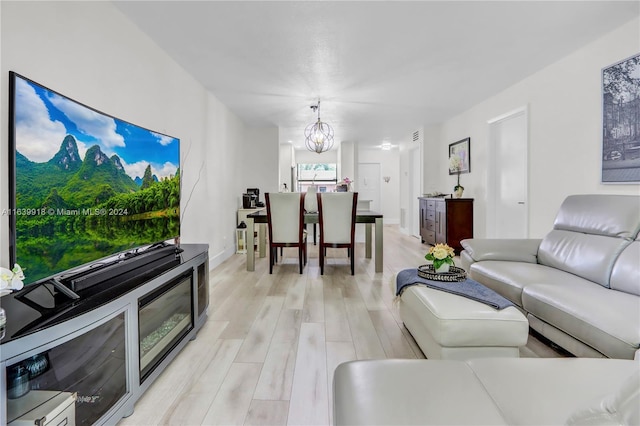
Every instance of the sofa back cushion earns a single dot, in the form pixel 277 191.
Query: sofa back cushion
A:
pixel 626 270
pixel 589 233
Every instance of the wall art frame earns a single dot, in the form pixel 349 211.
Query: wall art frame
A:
pixel 620 154
pixel 461 149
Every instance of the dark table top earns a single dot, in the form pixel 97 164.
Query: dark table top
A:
pixel 362 216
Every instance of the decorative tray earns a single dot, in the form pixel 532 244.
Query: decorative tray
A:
pixel 455 274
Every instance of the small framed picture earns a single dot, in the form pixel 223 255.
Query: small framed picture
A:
pixel 460 157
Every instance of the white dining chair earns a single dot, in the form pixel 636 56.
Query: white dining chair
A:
pixel 311 199
pixel 285 213
pixel 311 206
pixel 337 217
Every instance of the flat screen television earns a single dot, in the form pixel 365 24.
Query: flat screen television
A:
pixel 84 185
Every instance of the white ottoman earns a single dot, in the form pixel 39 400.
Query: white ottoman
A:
pixel 448 326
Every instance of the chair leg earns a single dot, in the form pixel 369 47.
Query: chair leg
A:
pixel 304 247
pixel 300 258
pixel 271 260
pixel 352 260
pixel 321 260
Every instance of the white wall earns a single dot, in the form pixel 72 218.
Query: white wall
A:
pixel 259 165
pixel 286 161
pixel 90 52
pixel 348 161
pixel 565 110
pixel 304 156
pixel 411 186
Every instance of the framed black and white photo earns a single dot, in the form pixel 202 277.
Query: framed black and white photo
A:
pixel 460 157
pixel 621 122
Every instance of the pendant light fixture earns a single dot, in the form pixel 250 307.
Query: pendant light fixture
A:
pixel 318 135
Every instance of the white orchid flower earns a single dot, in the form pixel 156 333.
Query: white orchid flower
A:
pixel 11 279
pixel 18 272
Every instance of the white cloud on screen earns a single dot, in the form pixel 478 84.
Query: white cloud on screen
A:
pixel 37 136
pixel 165 170
pixel 89 122
pixel 160 170
pixel 162 139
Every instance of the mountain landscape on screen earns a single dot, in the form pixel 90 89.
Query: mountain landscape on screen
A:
pixel 94 202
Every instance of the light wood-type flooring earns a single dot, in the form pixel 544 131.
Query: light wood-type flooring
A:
pixel 267 353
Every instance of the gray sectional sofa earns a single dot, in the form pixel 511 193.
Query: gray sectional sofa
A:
pixel 580 285
pixel 487 391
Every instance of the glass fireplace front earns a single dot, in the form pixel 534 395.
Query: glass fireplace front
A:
pixel 165 318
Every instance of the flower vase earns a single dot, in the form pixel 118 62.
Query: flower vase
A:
pixel 458 192
pixel 444 268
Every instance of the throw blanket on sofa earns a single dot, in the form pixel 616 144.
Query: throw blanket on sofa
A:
pixel 469 288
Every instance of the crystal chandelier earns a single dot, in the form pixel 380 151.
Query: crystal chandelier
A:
pixel 318 135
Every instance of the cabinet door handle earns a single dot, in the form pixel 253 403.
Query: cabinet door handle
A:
pixel 520 202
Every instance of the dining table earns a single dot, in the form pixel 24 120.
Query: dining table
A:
pixel 369 218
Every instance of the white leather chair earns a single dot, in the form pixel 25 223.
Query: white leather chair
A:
pixel 311 199
pixel 311 206
pixel 285 223
pixel 337 217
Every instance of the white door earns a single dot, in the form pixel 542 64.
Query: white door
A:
pixel 368 185
pixel 507 215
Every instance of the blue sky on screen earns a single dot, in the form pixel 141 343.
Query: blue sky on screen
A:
pixel 44 118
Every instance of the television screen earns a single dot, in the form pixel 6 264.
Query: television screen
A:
pixel 84 185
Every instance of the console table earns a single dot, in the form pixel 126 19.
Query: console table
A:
pixel 446 220
pixel 88 360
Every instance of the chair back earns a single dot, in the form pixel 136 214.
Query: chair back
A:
pixel 337 216
pixel 286 216
pixel 311 199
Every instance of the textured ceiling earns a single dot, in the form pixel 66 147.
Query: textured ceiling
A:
pixel 380 69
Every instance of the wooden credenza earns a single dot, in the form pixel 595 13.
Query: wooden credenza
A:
pixel 446 220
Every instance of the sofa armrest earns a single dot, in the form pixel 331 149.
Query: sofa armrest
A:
pixel 515 250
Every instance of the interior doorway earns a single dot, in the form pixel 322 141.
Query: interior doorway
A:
pixel 508 171
pixel 368 185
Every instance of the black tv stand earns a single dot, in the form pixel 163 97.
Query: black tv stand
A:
pixel 92 346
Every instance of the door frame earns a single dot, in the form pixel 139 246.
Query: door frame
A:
pixel 493 166
pixel 415 190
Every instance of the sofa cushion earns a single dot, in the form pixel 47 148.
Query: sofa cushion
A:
pixel 619 408
pixel 600 214
pixel 586 255
pixel 605 319
pixel 626 271
pixel 537 391
pixel 509 278
pixel 410 392
pixel 589 233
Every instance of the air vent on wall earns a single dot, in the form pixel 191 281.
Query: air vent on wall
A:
pixel 416 136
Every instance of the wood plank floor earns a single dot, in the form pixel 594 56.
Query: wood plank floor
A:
pixel 267 353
